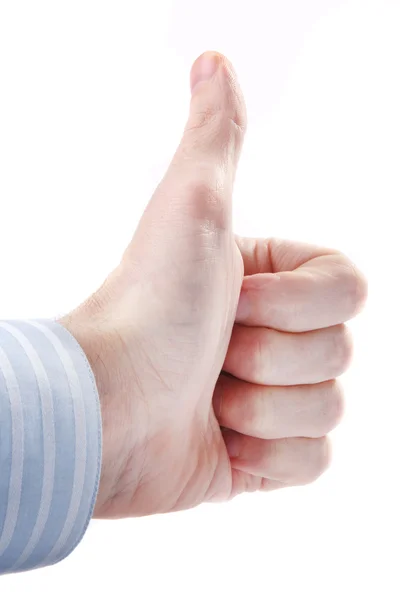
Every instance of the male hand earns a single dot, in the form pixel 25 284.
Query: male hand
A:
pixel 204 397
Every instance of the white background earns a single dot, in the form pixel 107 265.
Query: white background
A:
pixel 93 99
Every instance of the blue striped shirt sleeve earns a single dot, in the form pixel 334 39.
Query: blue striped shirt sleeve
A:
pixel 50 444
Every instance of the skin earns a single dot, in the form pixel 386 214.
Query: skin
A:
pixel 215 356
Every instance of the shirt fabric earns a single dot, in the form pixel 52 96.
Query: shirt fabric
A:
pixel 50 444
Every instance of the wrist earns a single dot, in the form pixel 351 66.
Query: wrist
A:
pixel 98 347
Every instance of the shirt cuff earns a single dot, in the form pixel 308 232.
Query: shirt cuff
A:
pixel 50 444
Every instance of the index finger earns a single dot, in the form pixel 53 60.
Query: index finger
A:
pixel 315 288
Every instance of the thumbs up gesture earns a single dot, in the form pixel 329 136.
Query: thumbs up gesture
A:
pixel 215 356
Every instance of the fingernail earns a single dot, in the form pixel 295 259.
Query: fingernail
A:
pixel 243 308
pixel 204 68
pixel 232 442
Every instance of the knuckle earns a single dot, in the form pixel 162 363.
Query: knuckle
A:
pixel 202 190
pixel 320 460
pixel 332 408
pixel 357 285
pixel 336 407
pixel 343 349
pixel 359 291
pixel 211 120
pixel 207 203
pixel 217 125
pixel 201 119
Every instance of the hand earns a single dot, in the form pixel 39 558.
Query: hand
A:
pixel 176 357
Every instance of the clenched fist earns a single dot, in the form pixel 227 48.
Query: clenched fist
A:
pixel 215 356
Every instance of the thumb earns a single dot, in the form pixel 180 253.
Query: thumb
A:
pixel 184 236
pixel 200 178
